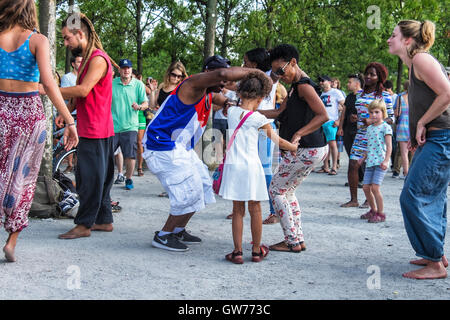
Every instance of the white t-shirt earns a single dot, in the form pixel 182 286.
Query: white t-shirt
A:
pixel 331 100
pixel 231 95
pixel 269 102
pixel 69 80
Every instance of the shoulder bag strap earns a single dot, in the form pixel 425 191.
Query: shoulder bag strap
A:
pixel 237 128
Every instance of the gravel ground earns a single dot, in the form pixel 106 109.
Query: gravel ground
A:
pixel 346 257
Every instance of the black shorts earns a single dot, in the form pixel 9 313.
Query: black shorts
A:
pixel 127 141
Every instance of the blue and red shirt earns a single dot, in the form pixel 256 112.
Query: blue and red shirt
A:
pixel 177 123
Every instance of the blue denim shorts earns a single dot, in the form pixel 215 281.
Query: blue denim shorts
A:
pixel 374 175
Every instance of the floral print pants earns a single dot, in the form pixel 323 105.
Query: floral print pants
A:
pixel 293 169
pixel 22 140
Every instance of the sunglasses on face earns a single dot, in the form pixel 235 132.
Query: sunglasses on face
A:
pixel 281 71
pixel 176 75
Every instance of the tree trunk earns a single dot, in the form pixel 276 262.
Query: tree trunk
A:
pixel 269 18
pixel 139 35
pixel 68 66
pixel 211 21
pixel 47 25
pixel 227 17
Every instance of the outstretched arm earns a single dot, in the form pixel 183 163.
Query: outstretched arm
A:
pixel 50 86
pixel 194 88
pixel 283 144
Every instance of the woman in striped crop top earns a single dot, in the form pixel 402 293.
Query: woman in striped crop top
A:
pixel 24 59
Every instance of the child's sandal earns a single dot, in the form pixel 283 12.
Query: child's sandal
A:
pixel 235 257
pixel 263 252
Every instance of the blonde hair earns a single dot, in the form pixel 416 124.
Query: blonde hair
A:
pixel 93 40
pixel 18 12
pixel 378 104
pixel 175 65
pixel 421 32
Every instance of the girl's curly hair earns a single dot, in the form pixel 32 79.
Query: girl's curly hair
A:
pixel 255 84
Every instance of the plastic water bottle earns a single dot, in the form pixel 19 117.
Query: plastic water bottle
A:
pixel 340 143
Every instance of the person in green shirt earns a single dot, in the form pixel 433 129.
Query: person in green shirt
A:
pixel 128 98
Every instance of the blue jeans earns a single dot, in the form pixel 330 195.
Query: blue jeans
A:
pixel 265 151
pixel 424 196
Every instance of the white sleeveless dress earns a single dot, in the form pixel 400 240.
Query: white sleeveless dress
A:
pixel 243 176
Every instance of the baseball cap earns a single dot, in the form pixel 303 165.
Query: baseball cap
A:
pixel 216 62
pixel 125 63
pixel 324 78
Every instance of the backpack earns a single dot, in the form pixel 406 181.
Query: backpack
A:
pixel 46 198
pixel 64 181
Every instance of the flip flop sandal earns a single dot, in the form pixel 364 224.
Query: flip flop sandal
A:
pixel 286 248
pixel 263 252
pixel 332 172
pixel 271 219
pixel 140 172
pixel 235 257
pixel 323 171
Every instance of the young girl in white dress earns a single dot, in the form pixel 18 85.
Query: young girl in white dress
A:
pixel 243 175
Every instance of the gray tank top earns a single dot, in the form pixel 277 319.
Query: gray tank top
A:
pixel 420 98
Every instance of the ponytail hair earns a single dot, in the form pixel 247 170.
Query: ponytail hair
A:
pixel 423 34
pixel 261 57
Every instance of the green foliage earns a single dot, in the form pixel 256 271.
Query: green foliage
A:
pixel 332 36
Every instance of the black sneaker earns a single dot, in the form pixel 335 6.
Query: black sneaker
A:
pixel 120 179
pixel 395 175
pixel 186 237
pixel 168 242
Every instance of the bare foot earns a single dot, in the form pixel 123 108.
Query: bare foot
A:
pixel 350 204
pixel 77 232
pixel 433 270
pixel 103 227
pixel 9 253
pixel 424 262
pixel 10 247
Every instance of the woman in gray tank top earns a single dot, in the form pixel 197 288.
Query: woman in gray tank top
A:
pixel 424 196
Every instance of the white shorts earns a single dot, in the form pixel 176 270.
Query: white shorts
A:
pixel 184 177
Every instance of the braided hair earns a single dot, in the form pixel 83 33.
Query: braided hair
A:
pixel 93 39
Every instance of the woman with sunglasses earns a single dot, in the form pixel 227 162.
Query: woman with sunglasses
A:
pixel 301 116
pixel 172 78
